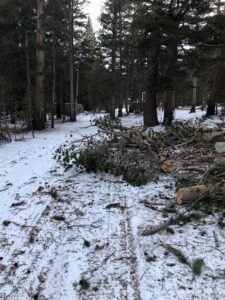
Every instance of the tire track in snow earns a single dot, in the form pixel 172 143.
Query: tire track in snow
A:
pixel 114 269
pixel 129 247
pixel 108 263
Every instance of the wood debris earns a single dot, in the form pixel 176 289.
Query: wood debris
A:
pixel 190 194
pixel 167 167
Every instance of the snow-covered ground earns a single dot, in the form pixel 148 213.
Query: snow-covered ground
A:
pixel 61 237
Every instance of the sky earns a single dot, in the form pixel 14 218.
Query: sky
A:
pixel 94 10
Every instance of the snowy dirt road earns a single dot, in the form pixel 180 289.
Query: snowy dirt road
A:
pixel 72 235
pixel 56 229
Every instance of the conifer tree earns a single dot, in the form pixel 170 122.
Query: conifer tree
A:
pixel 39 111
pixel 217 58
pixel 110 43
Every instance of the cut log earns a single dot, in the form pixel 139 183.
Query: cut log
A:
pixel 191 194
pixel 167 167
pixel 213 137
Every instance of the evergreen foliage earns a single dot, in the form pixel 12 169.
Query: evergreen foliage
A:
pixel 146 54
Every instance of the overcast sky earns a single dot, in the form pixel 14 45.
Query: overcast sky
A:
pixel 94 10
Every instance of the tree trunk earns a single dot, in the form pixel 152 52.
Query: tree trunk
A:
pixel 169 107
pixel 216 72
pixel 126 103
pixel 120 100
pixel 113 64
pixel 150 108
pixel 39 114
pixel 72 104
pixel 60 103
pixel 77 88
pixel 4 111
pixel 194 94
pixel 170 92
pixel 112 107
pixel 204 94
pixel 120 113
pixel 29 95
pixel 54 82
pixel 211 110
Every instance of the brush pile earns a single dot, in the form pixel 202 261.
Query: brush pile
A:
pixel 130 153
pixel 138 155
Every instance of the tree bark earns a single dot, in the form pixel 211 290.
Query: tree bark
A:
pixel 169 107
pixel 60 110
pixel 211 110
pixel 170 92
pixel 126 103
pixel 204 94
pixel 113 63
pixel 196 193
pixel 39 114
pixel 191 194
pixel 113 100
pixel 54 81
pixel 77 88
pixel 150 107
pixel 120 101
pixel 194 94
pixel 216 72
pixel 29 94
pixel 72 104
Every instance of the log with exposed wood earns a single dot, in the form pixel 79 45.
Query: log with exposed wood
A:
pixel 191 193
pixel 199 192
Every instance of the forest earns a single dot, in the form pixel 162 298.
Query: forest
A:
pixel 146 54
pixel 112 150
